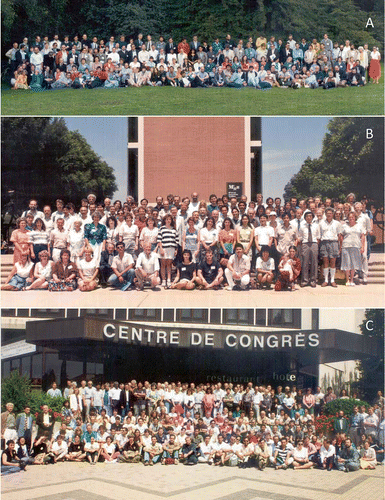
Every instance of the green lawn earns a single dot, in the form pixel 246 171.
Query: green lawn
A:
pixel 368 100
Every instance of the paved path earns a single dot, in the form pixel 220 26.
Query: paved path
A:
pixel 372 295
pixel 135 482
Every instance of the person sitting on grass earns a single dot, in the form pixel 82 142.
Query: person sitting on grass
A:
pixel 265 269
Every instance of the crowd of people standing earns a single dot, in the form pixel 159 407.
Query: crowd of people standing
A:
pixel 183 243
pixel 231 425
pixel 262 63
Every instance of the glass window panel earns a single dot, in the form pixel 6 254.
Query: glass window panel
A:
pixel 260 317
pixel 37 366
pixel 26 366
pixel 53 363
pixel 6 369
pixel 74 369
pixel 15 363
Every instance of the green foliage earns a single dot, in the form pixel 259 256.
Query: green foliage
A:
pixel 325 424
pixel 346 405
pixel 341 19
pixel 346 159
pixel 372 368
pixel 15 389
pixel 39 153
pixel 38 399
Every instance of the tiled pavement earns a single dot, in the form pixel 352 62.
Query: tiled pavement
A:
pixel 135 482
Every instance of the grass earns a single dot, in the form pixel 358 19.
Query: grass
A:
pixel 368 100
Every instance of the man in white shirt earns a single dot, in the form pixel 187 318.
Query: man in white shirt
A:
pixel 366 225
pixel 147 268
pixel 329 248
pixel 238 269
pixel 123 269
pixel 206 450
pixel 59 449
pixel 37 59
pixel 309 235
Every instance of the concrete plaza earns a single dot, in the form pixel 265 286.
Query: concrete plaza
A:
pixel 371 295
pixel 69 481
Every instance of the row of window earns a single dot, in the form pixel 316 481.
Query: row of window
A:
pixel 290 318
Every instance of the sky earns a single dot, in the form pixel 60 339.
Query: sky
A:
pixel 286 143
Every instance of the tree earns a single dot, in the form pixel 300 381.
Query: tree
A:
pixel 372 368
pixel 349 162
pixel 42 159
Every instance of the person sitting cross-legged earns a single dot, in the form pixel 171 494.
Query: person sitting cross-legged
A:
pixel 123 268
pixel 153 453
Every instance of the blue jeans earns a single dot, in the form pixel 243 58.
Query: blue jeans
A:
pixel 128 277
pixel 155 459
pixel 9 469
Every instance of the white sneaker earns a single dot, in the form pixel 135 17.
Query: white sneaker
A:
pixel 164 283
pixel 229 288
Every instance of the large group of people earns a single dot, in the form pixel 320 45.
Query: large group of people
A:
pixel 262 64
pixel 219 425
pixel 183 243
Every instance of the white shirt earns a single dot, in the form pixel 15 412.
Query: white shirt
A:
pixel 264 233
pixel 120 264
pixel 329 230
pixel 265 266
pixel 149 264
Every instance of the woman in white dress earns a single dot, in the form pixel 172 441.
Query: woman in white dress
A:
pixel 352 241
pixel 42 272
pixel 129 234
pixel 149 234
pixel 88 272
pixel 75 241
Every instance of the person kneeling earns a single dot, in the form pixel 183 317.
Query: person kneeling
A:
pixel 238 270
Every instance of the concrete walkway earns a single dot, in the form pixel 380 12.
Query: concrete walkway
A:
pixel 371 295
pixel 134 481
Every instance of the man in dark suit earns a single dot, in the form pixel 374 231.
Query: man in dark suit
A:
pixel 341 424
pixel 24 424
pixel 171 45
pixel 134 52
pixel 195 44
pixel 124 54
pixel 21 56
pixel 285 52
pixel 105 263
pixel 125 396
pixel 44 422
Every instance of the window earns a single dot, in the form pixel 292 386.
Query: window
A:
pixel 47 313
pixel 105 313
pixel 315 319
pixel 215 316
pixel 23 313
pixel 192 315
pixel 255 128
pixel 132 129
pixel 6 369
pixel 26 366
pixel 72 313
pixel 121 314
pixel 133 172
pixel 285 317
pixel 145 314
pixel 168 315
pixel 238 316
pixel 260 317
pixel 6 313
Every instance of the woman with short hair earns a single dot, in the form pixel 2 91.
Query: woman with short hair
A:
pixel 75 241
pixel 20 275
pixel 42 273
pixel 64 274
pixel 88 271
pixel 39 239
pixel 20 239
pixel 95 235
pixel 352 245
pixel 208 238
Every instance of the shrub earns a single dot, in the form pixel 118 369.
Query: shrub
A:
pixel 346 405
pixel 325 423
pixel 15 389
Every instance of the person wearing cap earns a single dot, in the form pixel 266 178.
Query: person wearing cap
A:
pixel 329 248
pixel 309 236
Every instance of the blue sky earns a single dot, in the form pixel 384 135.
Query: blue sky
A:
pixel 286 142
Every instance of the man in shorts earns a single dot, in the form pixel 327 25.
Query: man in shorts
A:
pixel 329 250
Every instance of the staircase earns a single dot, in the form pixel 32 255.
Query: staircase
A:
pixel 376 269
pixel 6 266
